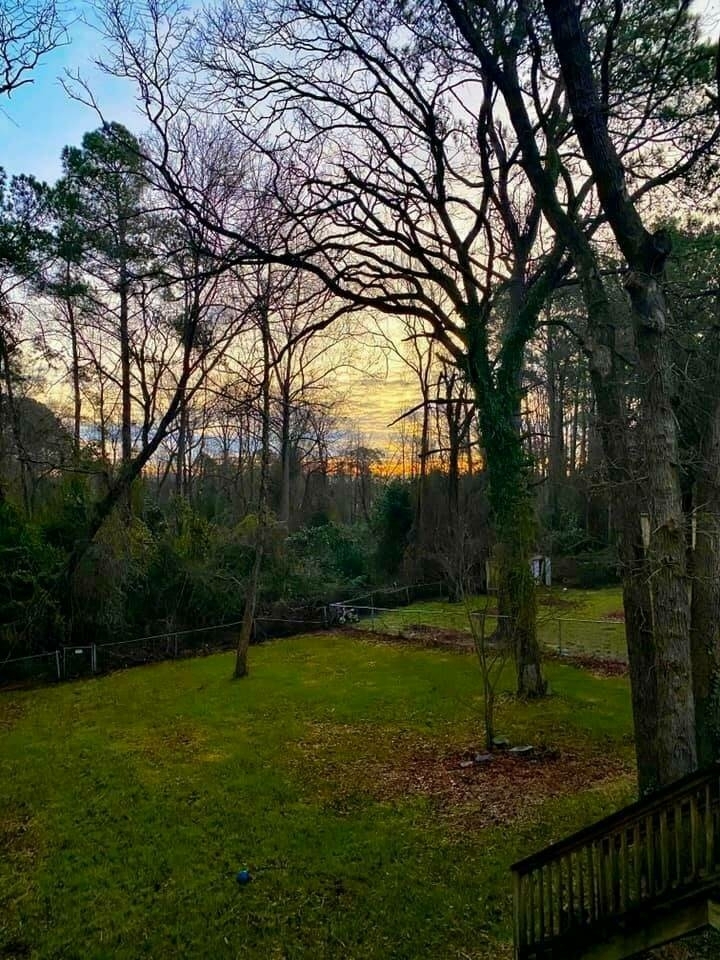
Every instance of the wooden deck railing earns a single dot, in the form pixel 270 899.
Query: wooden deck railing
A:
pixel 648 857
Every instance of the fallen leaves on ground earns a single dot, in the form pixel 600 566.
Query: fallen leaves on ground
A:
pixel 499 790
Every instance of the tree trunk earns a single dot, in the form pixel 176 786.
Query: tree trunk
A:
pixel 662 563
pixel 126 425
pixel 15 425
pixel 285 455
pixel 665 554
pixel 77 397
pixel 514 521
pixel 556 418
pixel 705 627
pixel 647 514
pixel 241 656
pixel 180 471
pixel 422 464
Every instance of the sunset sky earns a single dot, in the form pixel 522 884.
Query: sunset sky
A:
pixel 41 118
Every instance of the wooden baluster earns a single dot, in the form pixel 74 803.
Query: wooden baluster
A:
pixel 637 862
pixel 559 896
pixel 609 859
pixel 612 871
pixel 600 866
pixel 709 831
pixel 623 870
pixel 531 906
pixel 650 847
pixel 519 911
pixel 664 851
pixel 583 912
pixel 677 832
pixel 693 836
pixel 571 891
pixel 551 900
pixel 541 904
pixel 592 886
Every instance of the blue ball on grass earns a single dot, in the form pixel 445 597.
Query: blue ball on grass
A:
pixel 243 877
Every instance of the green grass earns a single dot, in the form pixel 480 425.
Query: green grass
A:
pixel 129 802
pixel 574 607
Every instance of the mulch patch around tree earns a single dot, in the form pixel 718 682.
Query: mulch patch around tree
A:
pixel 502 789
pixel 615 616
pixel 420 634
pixel 558 602
pixel 598 666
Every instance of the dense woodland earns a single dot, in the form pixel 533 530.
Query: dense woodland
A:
pixel 515 201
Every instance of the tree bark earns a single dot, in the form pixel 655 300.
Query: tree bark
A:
pixel 705 608
pixel 285 456
pixel 16 426
pixel 75 369
pixel 650 532
pixel 514 521
pixel 556 418
pixel 126 425
pixel 242 668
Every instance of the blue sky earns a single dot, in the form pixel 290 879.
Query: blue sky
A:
pixel 40 118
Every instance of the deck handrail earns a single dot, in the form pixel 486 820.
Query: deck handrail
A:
pixel 648 804
pixel 653 853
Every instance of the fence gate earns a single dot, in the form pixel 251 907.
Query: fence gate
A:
pixel 78 661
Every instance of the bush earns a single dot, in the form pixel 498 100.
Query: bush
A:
pixel 323 561
pixel 392 524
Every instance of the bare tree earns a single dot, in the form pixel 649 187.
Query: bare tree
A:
pixel 388 196
pixel 262 314
pixel 617 117
pixel 28 32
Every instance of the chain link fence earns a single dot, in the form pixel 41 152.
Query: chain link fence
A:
pixel 374 609
pixel 572 637
pixel 86 660
pixel 564 636
pixel 37 668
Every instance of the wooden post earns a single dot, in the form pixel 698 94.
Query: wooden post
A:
pixel 693 836
pixel 677 816
pixel 709 833
pixel 664 852
pixel 624 875
pixel 571 891
pixel 592 886
pixel 518 913
pixel 637 863
pixel 581 890
pixel 650 846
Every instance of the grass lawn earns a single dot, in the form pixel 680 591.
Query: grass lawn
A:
pixel 605 635
pixel 129 802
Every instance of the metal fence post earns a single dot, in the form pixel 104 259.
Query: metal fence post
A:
pixel 93 658
pixel 559 623
pixel 57 664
